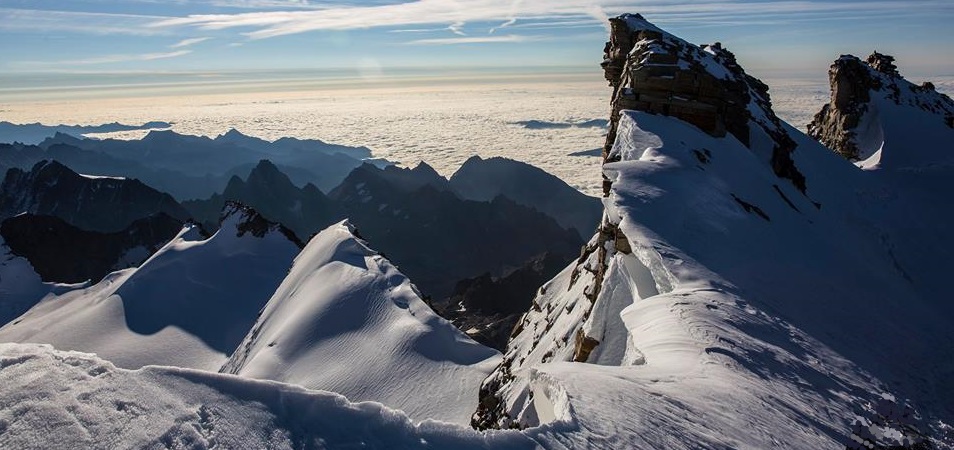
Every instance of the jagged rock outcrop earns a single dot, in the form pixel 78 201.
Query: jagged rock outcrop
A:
pixel 862 94
pixel 653 71
pixel 62 253
pixel 93 203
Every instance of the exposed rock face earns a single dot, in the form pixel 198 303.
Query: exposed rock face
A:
pixel 92 203
pixel 62 253
pixel 848 123
pixel 251 222
pixel 653 71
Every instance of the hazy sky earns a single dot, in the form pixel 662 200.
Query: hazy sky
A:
pixel 771 38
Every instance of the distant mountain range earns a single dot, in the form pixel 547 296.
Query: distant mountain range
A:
pixel 190 167
pixel 80 227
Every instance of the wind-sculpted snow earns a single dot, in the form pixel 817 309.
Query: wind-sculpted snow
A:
pixel 188 305
pixel 54 400
pixel 733 310
pixel 346 320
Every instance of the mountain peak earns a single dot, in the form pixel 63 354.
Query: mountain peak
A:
pixel 245 219
pixel 883 63
pixel 871 110
pixel 424 168
pixel 51 166
pixel 267 176
pixel 656 72
pixel 343 300
pixel 233 133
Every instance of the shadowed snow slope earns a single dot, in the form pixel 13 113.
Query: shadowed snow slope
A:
pixel 189 305
pixel 65 400
pixel 346 320
pixel 20 286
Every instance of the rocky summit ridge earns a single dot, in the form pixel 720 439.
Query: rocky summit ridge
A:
pixel 653 71
pixel 860 90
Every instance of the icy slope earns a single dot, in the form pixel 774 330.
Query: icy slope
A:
pixel 65 400
pixel 346 320
pixel 189 305
pixel 725 303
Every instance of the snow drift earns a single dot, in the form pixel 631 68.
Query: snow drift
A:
pixel 189 305
pixel 53 399
pixel 346 320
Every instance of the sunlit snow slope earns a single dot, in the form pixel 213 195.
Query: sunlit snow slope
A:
pixel 189 305
pixel 66 400
pixel 346 320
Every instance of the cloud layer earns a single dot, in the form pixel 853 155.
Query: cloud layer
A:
pixel 455 13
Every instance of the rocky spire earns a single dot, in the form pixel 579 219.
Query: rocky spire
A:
pixel 855 84
pixel 656 72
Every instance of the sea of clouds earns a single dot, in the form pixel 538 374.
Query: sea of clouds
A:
pixel 557 126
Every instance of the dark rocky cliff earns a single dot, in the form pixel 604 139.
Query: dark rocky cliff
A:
pixel 103 204
pixel 62 253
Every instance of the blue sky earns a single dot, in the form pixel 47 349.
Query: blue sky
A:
pixel 771 38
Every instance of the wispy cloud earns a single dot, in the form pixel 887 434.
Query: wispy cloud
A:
pixel 457 28
pixel 188 42
pixel 475 40
pixel 32 20
pixel 106 59
pixel 455 13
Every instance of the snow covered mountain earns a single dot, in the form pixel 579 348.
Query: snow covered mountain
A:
pixel 748 287
pixel 872 114
pixel 347 321
pixel 20 286
pixel 189 305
